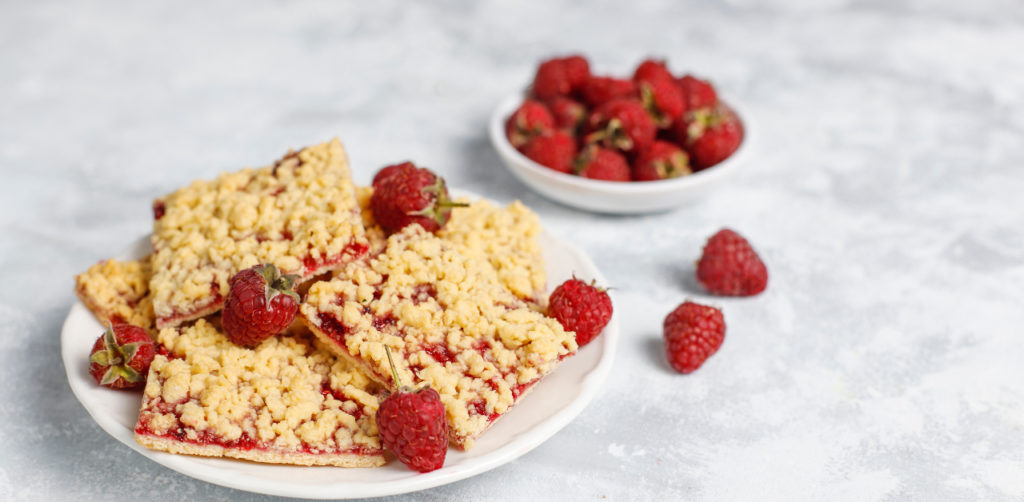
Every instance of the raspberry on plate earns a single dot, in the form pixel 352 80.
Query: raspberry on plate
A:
pixel 555 150
pixel 411 195
pixel 622 124
pixel 412 425
pixel 387 171
pixel 600 90
pixel 582 308
pixel 692 333
pixel 662 160
pixel 121 356
pixel 729 266
pixel 697 93
pixel 600 163
pixel 260 304
pixel 711 135
pixel 532 118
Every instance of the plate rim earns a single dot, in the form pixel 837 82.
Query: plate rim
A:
pixel 590 384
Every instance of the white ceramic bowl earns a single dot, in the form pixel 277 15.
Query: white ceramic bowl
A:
pixel 612 196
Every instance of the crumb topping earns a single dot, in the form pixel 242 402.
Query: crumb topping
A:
pixel 450 321
pixel 287 394
pixel 508 237
pixel 300 214
pixel 118 291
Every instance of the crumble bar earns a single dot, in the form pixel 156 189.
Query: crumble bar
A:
pixel 118 292
pixel 286 401
pixel 300 214
pixel 448 319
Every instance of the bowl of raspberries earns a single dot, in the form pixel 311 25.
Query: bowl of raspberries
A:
pixel 651 142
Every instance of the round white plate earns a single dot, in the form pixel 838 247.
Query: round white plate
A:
pixel 551 405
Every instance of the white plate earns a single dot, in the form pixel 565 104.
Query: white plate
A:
pixel 552 404
pixel 615 197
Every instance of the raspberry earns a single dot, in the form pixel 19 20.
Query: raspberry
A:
pixel 697 93
pixel 582 308
pixel 693 333
pixel 555 150
pixel 530 119
pixel 600 90
pixel 729 266
pixel 569 114
pixel 560 77
pixel 260 304
pixel 602 164
pixel 387 171
pixel 413 426
pixel 652 69
pixel 622 124
pixel 711 135
pixel 663 99
pixel 121 356
pixel 410 195
pixel 662 160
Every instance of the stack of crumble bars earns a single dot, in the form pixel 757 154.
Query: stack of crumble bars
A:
pixel 460 309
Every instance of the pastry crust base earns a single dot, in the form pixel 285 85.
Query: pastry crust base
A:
pixel 262 456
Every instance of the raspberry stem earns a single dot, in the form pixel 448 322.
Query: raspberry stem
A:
pixel 394 370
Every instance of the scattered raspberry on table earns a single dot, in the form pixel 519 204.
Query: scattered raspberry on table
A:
pixel 729 266
pixel 692 333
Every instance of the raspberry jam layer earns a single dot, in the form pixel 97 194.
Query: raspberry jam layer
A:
pixel 245 442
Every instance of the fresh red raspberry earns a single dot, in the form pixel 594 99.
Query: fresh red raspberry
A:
pixel 387 171
pixel 411 195
pixel 663 99
pixel 710 135
pixel 600 90
pixel 662 160
pixel 600 163
pixel 560 77
pixel 555 150
pixel 413 426
pixel 530 119
pixel 693 333
pixel 577 69
pixel 652 69
pixel 697 93
pixel 622 124
pixel 121 356
pixel 729 266
pixel 260 304
pixel 580 307
pixel 569 114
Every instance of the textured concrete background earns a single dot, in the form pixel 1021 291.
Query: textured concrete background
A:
pixel 883 362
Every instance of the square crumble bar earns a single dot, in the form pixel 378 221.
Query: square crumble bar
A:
pixel 287 401
pixel 300 214
pixel 449 322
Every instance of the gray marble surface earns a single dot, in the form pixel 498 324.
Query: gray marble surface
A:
pixel 885 194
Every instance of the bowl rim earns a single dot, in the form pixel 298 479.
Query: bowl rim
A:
pixel 510 102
